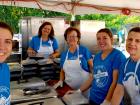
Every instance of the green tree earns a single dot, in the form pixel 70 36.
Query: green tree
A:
pixel 12 15
pixel 112 21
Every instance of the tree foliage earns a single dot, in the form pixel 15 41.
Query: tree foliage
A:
pixel 112 21
pixel 12 15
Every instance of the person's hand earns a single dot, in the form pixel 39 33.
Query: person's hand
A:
pixel 31 52
pixel 59 83
pixel 105 102
pixel 73 91
pixel 51 56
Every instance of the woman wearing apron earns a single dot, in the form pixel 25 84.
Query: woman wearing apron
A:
pixel 44 44
pixel 76 61
pixel 129 76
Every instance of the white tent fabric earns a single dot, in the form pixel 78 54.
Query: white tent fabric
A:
pixel 127 7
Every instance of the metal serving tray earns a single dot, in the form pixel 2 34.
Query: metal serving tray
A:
pixel 18 96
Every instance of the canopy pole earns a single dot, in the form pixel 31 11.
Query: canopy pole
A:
pixel 72 17
pixel 72 10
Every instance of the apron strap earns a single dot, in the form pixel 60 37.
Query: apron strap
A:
pixel 77 52
pixel 40 42
pixel 51 43
pixel 136 68
pixel 126 65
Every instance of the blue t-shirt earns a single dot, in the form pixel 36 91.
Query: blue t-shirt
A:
pixel 4 83
pixel 84 55
pixel 35 43
pixel 102 74
pixel 130 68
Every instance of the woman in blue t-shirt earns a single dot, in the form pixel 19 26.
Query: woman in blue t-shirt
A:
pixel 76 61
pixel 129 75
pixel 106 64
pixel 6 35
pixel 44 44
pixel 105 72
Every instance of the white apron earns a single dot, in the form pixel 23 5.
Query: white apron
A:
pixel 45 51
pixel 130 85
pixel 75 76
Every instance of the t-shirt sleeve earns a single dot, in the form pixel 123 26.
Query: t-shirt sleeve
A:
pixel 31 43
pixel 8 75
pixel 121 74
pixel 87 54
pixel 62 60
pixel 85 58
pixel 55 44
pixel 7 82
pixel 118 61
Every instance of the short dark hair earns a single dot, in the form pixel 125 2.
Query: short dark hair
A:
pixel 51 35
pixel 70 29
pixel 135 29
pixel 106 30
pixel 6 26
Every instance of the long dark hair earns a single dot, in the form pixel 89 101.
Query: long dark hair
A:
pixel 51 35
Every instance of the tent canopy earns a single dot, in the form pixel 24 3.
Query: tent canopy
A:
pixel 79 7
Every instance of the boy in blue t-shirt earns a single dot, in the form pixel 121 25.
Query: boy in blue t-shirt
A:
pixel 6 35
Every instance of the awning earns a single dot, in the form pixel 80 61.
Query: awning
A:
pixel 78 7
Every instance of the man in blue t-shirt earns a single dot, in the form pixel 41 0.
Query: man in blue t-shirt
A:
pixel 6 36
pixel 129 75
